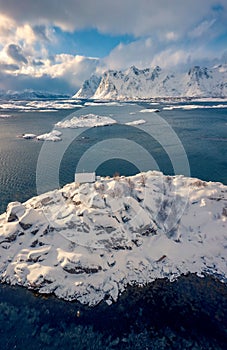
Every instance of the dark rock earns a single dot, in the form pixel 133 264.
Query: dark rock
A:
pixel 12 217
pixel 25 226
pixel 82 269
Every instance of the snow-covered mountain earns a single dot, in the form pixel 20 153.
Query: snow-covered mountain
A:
pixel 134 83
pixel 90 241
pixel 89 87
pixel 30 95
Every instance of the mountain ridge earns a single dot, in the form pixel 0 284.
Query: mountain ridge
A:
pixel 135 83
pixel 29 94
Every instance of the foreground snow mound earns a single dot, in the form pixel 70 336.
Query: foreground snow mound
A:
pixel 89 241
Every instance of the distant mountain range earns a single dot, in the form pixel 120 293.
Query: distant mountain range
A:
pixel 134 83
pixel 30 95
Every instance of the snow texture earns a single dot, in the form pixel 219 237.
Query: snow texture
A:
pixel 54 135
pixel 86 121
pixel 88 242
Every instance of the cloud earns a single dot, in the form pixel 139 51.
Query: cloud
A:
pixel 170 34
pixel 139 53
pixel 170 55
pixel 202 28
pixel 61 73
pixel 15 52
pixel 108 16
pixel 6 27
pixel 42 33
pixel 8 67
pixel 25 33
pixel 24 82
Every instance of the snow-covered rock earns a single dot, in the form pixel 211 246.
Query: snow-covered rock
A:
pixel 28 136
pixel 136 122
pixel 54 135
pixel 86 121
pixel 89 242
pixel 134 83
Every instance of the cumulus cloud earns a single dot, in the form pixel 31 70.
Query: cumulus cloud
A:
pixel 61 73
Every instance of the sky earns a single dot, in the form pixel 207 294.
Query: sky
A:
pixel 48 45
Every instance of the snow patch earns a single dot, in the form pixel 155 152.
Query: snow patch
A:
pixel 112 103
pixel 86 121
pixel 51 136
pixel 6 116
pixel 188 107
pixel 29 136
pixel 149 110
pixel 136 122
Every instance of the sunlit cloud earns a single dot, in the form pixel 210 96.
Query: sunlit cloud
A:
pixel 34 37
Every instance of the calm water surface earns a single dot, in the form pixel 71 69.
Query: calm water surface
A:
pixel 188 314
pixel 202 132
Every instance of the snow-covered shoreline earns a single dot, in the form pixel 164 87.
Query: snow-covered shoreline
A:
pixel 89 242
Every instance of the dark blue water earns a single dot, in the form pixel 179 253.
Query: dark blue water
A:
pixel 202 133
pixel 187 314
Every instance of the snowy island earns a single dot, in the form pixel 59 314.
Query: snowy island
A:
pixel 89 241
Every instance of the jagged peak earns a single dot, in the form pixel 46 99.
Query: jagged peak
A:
pixel 199 72
pixel 136 83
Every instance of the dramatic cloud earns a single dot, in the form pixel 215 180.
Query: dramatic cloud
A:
pixel 128 16
pixel 35 47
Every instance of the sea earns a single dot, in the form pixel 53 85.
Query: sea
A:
pixel 175 137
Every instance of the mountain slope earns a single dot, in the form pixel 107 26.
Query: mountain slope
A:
pixel 134 83
pixel 89 87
